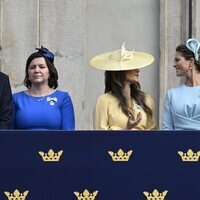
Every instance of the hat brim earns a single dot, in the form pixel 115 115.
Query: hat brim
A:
pixel 104 62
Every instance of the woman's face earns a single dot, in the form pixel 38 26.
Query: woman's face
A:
pixel 182 65
pixel 38 71
pixel 132 75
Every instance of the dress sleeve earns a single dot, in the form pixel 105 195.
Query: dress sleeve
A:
pixel 101 114
pixel 6 106
pixel 151 122
pixel 167 123
pixel 67 114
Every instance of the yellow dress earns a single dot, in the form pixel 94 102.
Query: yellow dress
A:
pixel 108 114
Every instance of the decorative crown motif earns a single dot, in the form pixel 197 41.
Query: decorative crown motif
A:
pixel 50 156
pixel 189 156
pixel 86 195
pixel 16 195
pixel 120 155
pixel 155 195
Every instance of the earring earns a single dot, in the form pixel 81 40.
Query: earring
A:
pixel 190 68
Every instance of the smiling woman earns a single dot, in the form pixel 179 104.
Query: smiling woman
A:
pixel 182 104
pixel 42 107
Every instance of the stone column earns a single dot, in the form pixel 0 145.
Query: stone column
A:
pixel 173 31
pixel 195 19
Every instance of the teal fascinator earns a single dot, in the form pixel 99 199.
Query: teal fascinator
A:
pixel 193 45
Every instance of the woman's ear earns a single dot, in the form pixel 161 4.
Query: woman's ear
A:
pixel 192 60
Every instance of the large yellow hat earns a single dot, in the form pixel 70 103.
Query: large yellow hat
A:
pixel 121 60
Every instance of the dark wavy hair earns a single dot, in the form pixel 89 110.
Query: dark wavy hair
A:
pixel 114 82
pixel 53 74
pixel 188 54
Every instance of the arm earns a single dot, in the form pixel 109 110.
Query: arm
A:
pixel 6 105
pixel 101 115
pixel 167 123
pixel 103 111
pixel 67 114
pixel 151 122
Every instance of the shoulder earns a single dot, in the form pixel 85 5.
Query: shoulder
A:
pixel 61 93
pixel 19 94
pixel 107 97
pixel 149 100
pixel 175 91
pixel 3 77
pixel 62 96
pixel 148 97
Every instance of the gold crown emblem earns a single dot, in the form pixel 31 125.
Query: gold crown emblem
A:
pixel 155 195
pixel 50 156
pixel 86 195
pixel 120 155
pixel 16 195
pixel 189 156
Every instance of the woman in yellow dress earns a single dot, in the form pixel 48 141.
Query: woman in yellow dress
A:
pixel 123 106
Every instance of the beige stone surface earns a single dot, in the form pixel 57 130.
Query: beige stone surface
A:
pixel 18 36
pixel 173 31
pixel 76 30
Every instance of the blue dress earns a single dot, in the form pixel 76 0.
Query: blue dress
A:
pixel 52 112
pixel 182 109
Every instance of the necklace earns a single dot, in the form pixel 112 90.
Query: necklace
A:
pixel 42 98
pixel 37 99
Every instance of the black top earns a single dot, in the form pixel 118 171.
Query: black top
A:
pixel 5 102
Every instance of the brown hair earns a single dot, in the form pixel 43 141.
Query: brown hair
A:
pixel 114 81
pixel 188 54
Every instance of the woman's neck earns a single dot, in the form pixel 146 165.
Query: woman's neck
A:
pixel 193 80
pixel 40 90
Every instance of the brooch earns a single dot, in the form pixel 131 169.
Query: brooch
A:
pixel 52 100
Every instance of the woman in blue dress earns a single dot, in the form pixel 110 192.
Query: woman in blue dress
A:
pixel 41 106
pixel 182 104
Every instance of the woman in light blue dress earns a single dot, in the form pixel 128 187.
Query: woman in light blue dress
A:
pixel 182 104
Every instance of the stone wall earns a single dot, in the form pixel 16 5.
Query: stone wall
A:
pixel 76 30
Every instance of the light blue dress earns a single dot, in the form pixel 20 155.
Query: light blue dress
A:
pixel 182 109
pixel 52 112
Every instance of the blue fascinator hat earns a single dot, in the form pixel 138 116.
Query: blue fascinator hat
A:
pixel 46 53
pixel 193 45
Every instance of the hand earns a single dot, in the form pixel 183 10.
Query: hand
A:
pixel 132 121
